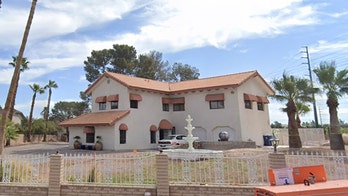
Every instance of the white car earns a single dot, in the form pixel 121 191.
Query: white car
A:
pixel 172 141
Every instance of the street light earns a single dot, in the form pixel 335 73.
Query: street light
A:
pixel 275 143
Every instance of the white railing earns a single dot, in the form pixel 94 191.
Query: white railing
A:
pixel 120 169
pixel 231 169
pixel 24 169
pixel 335 163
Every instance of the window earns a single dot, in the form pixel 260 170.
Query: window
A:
pixel 247 104
pixel 114 104
pixel 260 106
pixel 102 106
pixel 123 136
pixel 178 107
pixel 216 104
pixel 133 104
pixel 90 137
pixel 153 137
pixel 165 107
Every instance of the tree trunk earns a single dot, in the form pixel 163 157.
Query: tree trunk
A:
pixel 31 117
pixel 336 140
pixel 10 95
pixel 13 102
pixel 298 121
pixel 294 136
pixel 47 114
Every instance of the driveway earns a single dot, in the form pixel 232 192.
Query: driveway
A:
pixel 52 148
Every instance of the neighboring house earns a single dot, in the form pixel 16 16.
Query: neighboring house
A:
pixel 17 116
pixel 134 113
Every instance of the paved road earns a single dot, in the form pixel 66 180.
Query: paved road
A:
pixel 52 148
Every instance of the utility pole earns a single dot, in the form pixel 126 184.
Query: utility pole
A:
pixel 311 79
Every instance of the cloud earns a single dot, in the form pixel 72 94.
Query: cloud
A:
pixel 327 46
pixel 179 25
pixel 65 32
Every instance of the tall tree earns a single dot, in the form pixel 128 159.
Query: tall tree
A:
pixel 161 67
pixel 10 95
pixel 24 66
pixel 291 89
pixel 120 59
pixel 65 110
pixel 123 59
pixel 51 84
pixel 182 72
pixel 145 67
pixel 301 109
pixel 335 85
pixel 36 89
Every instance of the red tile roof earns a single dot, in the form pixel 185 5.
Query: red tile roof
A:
pixel 96 118
pixel 231 80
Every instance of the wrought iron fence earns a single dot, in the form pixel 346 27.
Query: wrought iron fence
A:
pixel 335 163
pixel 24 169
pixel 231 168
pixel 120 169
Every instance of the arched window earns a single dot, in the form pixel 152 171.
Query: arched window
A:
pixel 123 130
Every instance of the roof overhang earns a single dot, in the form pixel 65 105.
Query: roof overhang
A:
pixel 95 119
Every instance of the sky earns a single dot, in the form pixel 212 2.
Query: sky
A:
pixel 218 37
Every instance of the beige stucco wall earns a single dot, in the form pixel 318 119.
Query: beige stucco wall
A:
pixel 254 123
pixel 241 124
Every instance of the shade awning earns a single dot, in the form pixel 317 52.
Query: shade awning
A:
pixel 100 99
pixel 165 100
pixel 215 97
pixel 88 129
pixel 123 127
pixel 262 99
pixel 112 98
pixel 165 124
pixel 177 100
pixel 135 97
pixel 250 97
pixel 153 128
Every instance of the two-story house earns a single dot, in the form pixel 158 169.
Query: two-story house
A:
pixel 134 113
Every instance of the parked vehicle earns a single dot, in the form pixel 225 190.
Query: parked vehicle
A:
pixel 172 141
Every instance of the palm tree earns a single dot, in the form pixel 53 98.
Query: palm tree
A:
pixel 36 89
pixel 292 90
pixel 301 108
pixel 24 66
pixel 10 95
pixel 51 84
pixel 335 85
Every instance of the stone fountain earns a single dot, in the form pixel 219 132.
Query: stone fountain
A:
pixel 190 139
pixel 191 153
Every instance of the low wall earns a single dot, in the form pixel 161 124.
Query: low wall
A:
pixel 226 145
pixel 72 190
pixel 18 190
pixel 22 139
pixel 309 136
pixel 211 190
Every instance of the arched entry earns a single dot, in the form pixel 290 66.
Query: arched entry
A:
pixel 231 133
pixel 201 133
pixel 165 128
